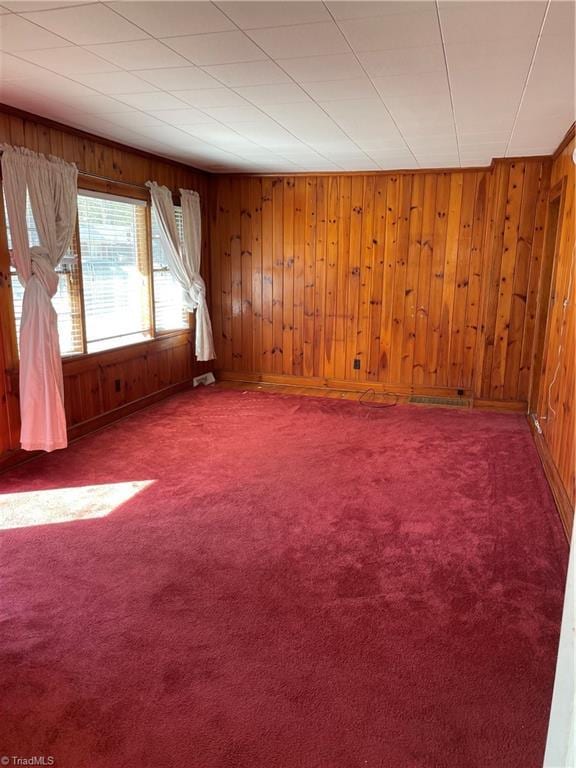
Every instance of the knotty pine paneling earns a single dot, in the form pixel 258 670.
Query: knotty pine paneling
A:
pixel 556 410
pixel 90 381
pixel 429 279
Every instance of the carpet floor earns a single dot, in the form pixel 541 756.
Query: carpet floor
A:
pixel 254 580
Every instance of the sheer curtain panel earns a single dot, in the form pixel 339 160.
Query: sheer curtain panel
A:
pixel 51 185
pixel 184 258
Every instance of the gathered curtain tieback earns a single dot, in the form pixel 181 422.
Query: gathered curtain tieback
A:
pixel 196 294
pixel 42 268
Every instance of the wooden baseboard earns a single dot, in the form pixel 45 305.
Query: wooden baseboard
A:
pixel 517 406
pixel 403 391
pixel 19 456
pixel 563 504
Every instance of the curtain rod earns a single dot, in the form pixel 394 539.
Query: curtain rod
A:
pixel 112 181
pixel 88 175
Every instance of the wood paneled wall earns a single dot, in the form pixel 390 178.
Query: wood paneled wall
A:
pixel 555 409
pixel 102 385
pixel 428 279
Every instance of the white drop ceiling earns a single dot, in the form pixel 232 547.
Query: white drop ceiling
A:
pixel 299 86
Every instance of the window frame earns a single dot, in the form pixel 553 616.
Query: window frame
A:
pixel 120 190
pixel 168 332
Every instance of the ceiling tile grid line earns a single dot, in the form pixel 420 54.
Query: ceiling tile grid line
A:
pixel 315 149
pixel 142 114
pixel 437 8
pixel 265 57
pixel 184 104
pixel 371 80
pixel 295 135
pixel 284 86
pixel 527 80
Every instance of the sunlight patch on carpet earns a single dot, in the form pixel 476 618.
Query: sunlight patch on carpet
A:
pixel 63 505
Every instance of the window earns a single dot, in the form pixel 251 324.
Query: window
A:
pixel 115 272
pixel 169 310
pixel 109 277
pixel 66 302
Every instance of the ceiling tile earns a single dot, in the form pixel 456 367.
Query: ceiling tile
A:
pixel 165 19
pixel 492 149
pixel 323 38
pixel 312 69
pixel 282 93
pixel 429 144
pixel 361 118
pixel 18 34
pixel 153 100
pixel 509 55
pixel 438 162
pixel 217 48
pixel 237 114
pixel 560 19
pixel 426 127
pixel 365 109
pixel 353 162
pixel 525 150
pixel 471 140
pixel 359 9
pixel 405 111
pixel 69 61
pixel 253 15
pixel 176 98
pixel 88 24
pixel 413 87
pixel 113 82
pixel 210 97
pixel 479 160
pixel 12 68
pixel 23 6
pixel 403 61
pixel 133 119
pixel 551 86
pixel 269 134
pixel 401 30
pixel 181 117
pixel 94 103
pixel 141 54
pixel 221 136
pixel 165 133
pixel 393 164
pixel 177 78
pixel 465 22
pixel 250 73
pixel 336 90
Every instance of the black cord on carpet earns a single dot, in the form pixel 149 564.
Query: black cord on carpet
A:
pixel 371 404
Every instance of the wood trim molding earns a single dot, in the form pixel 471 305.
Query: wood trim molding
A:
pixel 379 387
pixel 563 504
pixel 15 112
pixel 568 137
pixel 395 171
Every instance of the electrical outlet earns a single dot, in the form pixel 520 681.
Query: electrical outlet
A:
pixel 357 364
pixel 117 385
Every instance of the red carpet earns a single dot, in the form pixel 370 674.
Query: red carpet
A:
pixel 305 584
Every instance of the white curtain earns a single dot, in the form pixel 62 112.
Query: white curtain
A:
pixel 52 188
pixel 184 260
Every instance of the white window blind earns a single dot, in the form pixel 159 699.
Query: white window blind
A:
pixel 66 301
pixel 115 270
pixel 169 311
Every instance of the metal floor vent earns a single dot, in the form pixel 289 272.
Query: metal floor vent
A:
pixel 451 402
